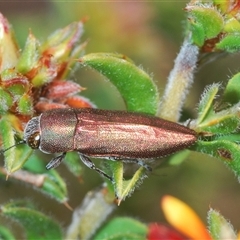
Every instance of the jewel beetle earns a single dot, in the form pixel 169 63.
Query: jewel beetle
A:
pixel 115 135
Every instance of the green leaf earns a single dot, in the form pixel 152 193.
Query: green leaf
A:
pixel 232 90
pixel 5 234
pixel 136 86
pixel 15 157
pixel 223 149
pixel 230 43
pixel 49 183
pixel 17 90
pixel 210 19
pixel 124 188
pixel 178 158
pixel 223 122
pixel 55 186
pixel 205 22
pixel 217 122
pixel 205 107
pixel 6 101
pixel 219 227
pixel 34 164
pixel 36 224
pixel 72 162
pixel 198 35
pixel 232 25
pixel 25 105
pixel 122 228
pixel 30 54
pixel 52 184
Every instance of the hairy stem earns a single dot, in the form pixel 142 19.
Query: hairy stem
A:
pixel 36 180
pixel 179 82
pixel 87 218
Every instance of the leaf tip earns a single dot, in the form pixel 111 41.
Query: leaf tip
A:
pixel 67 205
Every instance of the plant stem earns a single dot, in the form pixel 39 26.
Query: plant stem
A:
pixel 179 81
pixel 87 218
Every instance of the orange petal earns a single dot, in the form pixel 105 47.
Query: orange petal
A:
pixel 183 218
pixel 238 236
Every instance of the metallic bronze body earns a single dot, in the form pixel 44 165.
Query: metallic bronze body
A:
pixel 116 134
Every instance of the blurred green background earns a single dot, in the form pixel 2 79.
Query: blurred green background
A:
pixel 151 34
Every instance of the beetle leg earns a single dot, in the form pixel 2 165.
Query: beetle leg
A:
pixel 91 165
pixel 55 162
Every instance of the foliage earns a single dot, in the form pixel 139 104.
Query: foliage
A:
pixel 38 79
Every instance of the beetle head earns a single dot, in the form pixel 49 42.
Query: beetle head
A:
pixel 32 133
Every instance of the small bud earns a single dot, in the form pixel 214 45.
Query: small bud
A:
pixel 62 42
pixel 6 101
pixel 16 86
pixel 205 22
pixel 43 106
pixel 29 56
pixel 25 105
pixel 46 72
pixel 219 227
pixel 8 47
pixel 60 89
pixel 79 102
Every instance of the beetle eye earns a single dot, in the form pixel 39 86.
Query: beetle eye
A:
pixel 34 140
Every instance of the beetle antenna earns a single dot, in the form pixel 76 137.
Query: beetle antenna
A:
pixel 20 142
